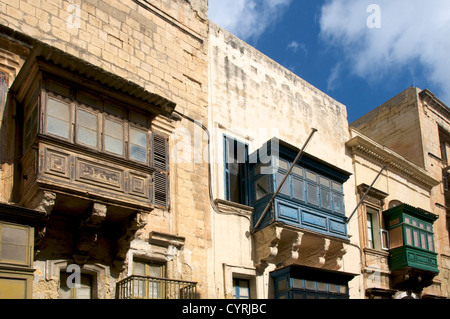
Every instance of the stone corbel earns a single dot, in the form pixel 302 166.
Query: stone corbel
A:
pixel 43 202
pixel 289 248
pixel 266 242
pixel 88 231
pixel 313 251
pixel 334 256
pixel 131 226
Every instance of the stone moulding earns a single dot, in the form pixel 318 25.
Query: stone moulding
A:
pixel 375 152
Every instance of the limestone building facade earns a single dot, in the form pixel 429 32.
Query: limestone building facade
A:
pixel 414 125
pixel 89 94
pixel 294 243
pixel 148 153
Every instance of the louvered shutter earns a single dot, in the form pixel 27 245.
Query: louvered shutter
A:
pixel 3 88
pixel 160 161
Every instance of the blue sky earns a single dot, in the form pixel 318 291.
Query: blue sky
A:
pixel 360 52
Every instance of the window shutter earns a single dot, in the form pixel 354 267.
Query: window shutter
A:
pixel 3 88
pixel 160 161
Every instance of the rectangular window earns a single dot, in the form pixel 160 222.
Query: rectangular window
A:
pixel 69 290
pixel 384 239
pixel 148 282
pixel 370 242
pixel 113 133
pixel 14 244
pixel 373 229
pixel 87 128
pixel 236 173
pixel 138 145
pixel 58 118
pixel 241 289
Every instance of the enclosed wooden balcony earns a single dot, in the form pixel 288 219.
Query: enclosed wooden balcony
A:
pixel 413 259
pixel 305 223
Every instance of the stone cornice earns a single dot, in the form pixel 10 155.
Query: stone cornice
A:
pixel 378 153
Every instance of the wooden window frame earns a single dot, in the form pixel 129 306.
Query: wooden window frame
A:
pixel 243 171
pixel 237 288
pixel 29 245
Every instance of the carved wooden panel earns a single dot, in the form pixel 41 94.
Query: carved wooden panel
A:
pixel 139 185
pixel 75 170
pixel 57 163
pixel 99 175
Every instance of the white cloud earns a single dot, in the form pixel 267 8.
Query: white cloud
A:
pixel 334 77
pixel 247 19
pixel 295 46
pixel 410 33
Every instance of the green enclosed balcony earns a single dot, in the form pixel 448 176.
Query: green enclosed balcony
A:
pixel 413 260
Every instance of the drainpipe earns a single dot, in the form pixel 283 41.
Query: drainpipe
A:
pixel 270 203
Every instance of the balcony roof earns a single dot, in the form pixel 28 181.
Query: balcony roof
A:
pixel 43 52
pixel 417 212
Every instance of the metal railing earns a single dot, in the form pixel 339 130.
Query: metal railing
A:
pixel 144 287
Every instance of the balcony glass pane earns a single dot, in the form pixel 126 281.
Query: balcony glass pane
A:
pixel 416 238
pixel 395 238
pixel 310 285
pixel 423 241
pixel 298 283
pixel 298 189
pixel 58 117
pixel 138 145
pixel 262 187
pixel 321 286
pixel 338 203
pixel 87 128
pixel 283 165
pixel 313 192
pixel 324 181
pixel 430 243
pixel 311 176
pixel 333 288
pixel 408 236
pixel 325 198
pixel 285 189
pixel 297 171
pixel 337 187
pixel 113 137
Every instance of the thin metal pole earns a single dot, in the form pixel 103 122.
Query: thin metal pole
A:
pixel 299 155
pixel 367 192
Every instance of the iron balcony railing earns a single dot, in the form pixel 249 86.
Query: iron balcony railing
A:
pixel 144 287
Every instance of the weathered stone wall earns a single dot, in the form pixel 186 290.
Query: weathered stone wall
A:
pixel 395 124
pixel 162 46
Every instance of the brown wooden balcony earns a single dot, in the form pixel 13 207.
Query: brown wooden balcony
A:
pixel 144 287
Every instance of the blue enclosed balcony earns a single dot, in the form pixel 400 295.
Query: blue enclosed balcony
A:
pixel 304 223
pixel 311 198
